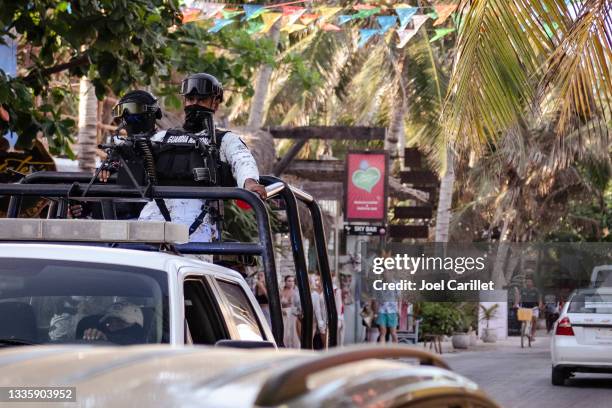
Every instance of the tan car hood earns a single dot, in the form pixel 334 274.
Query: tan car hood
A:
pixel 141 376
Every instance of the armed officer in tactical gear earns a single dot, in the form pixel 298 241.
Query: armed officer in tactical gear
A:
pixel 135 113
pixel 200 154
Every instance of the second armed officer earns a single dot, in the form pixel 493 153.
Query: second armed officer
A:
pixel 200 154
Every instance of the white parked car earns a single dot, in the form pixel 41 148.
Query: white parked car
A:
pixel 582 340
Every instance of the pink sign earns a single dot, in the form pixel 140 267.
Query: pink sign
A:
pixel 366 186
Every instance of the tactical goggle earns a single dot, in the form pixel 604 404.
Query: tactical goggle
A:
pixel 133 108
pixel 200 86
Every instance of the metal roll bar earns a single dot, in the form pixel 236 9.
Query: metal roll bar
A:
pixel 292 382
pixel 299 259
pixel 75 190
pixel 275 187
pixel 323 261
pixel 320 246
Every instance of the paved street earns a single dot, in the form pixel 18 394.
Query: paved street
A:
pixel 520 378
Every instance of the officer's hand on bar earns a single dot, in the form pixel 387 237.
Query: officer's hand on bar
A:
pixel 104 176
pixel 75 211
pixel 255 187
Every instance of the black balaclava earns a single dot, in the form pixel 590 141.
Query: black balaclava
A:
pixel 198 118
pixel 139 123
pixel 136 123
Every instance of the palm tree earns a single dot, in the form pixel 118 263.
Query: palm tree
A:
pixel 88 126
pixel 521 62
pixel 262 85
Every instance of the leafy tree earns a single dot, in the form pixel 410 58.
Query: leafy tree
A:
pixel 118 45
pixel 232 55
pixel 115 43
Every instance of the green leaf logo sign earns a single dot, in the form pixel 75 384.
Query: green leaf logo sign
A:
pixel 366 177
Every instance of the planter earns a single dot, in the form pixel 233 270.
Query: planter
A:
pixel 489 335
pixel 473 338
pixel 461 340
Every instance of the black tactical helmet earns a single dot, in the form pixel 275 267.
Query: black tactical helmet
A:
pixel 138 111
pixel 202 84
pixel 137 103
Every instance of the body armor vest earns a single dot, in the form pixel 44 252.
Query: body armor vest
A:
pixel 184 159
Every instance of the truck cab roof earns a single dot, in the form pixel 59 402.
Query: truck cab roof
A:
pixel 116 256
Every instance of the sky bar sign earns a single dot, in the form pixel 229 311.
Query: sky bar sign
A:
pixel 366 186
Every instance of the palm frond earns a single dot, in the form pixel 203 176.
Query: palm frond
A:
pixel 426 87
pixel 325 54
pixel 580 68
pixel 370 85
pixel 501 46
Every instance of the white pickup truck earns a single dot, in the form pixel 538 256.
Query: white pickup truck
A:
pixel 58 293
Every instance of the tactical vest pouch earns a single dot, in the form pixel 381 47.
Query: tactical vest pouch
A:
pixel 183 163
pixel 175 164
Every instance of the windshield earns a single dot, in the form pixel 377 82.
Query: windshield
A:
pixel 45 301
pixel 591 302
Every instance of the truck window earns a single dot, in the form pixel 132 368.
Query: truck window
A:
pixel 202 313
pixel 242 312
pixel 55 302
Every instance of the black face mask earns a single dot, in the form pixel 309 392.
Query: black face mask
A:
pixel 135 124
pixel 196 118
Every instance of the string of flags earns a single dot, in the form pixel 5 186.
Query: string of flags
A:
pixel 260 18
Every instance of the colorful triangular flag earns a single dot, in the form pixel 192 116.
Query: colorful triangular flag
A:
pixel 364 7
pixel 210 10
pixel 405 15
pixel 443 11
pixel 291 14
pixel 406 34
pixel 365 34
pixel 365 13
pixel 289 10
pixel 308 18
pixel 328 12
pixel 330 27
pixel 190 14
pixel 441 33
pixel 386 22
pixel 253 10
pixel 293 28
pixel 254 26
pixel 12 138
pixel 4 115
pixel 345 18
pixel 268 20
pixel 219 24
pixel 230 13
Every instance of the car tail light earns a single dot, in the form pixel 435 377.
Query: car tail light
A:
pixel 564 327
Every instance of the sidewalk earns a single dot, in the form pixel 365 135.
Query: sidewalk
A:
pixel 542 342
